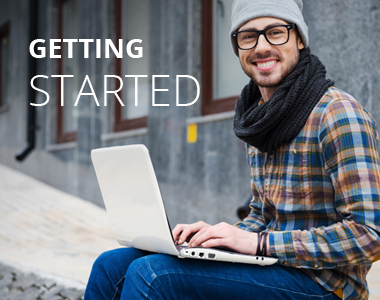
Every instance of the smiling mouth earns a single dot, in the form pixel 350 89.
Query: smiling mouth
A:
pixel 266 64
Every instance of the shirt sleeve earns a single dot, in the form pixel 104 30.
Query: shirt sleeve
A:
pixel 348 143
pixel 254 222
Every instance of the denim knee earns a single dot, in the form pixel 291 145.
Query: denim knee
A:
pixel 141 280
pixel 107 262
pixel 108 272
pixel 103 281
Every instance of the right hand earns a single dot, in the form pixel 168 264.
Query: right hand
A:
pixel 184 232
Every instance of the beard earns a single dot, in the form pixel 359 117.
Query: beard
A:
pixel 268 79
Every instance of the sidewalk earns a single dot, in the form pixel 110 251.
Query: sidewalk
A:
pixel 47 237
pixel 49 240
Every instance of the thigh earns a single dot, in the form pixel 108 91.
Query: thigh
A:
pixel 168 277
pixel 108 273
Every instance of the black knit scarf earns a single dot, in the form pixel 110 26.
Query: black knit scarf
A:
pixel 279 120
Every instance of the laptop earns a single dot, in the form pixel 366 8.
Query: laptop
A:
pixel 136 210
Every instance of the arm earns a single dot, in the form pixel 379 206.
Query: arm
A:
pixel 348 142
pixel 254 222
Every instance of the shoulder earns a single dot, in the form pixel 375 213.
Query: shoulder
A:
pixel 335 98
pixel 340 110
pixel 335 109
pixel 336 101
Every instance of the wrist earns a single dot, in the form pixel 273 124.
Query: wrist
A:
pixel 268 246
pixel 262 248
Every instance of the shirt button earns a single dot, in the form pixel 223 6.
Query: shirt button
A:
pixel 295 151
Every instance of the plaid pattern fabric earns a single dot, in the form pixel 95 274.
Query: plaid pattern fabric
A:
pixel 319 197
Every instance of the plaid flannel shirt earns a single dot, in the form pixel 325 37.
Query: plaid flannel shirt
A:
pixel 318 197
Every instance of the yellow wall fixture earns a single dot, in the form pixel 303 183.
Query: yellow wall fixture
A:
pixel 192 133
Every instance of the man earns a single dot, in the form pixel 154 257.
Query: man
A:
pixel 312 151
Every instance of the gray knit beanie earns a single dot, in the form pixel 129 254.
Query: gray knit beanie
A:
pixel 287 10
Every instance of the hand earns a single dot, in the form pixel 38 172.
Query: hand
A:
pixel 184 232
pixel 221 235
pixel 226 235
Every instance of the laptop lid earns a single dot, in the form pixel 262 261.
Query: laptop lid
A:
pixel 132 198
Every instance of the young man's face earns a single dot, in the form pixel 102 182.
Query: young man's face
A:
pixel 266 64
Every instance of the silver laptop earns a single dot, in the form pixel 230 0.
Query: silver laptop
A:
pixel 135 208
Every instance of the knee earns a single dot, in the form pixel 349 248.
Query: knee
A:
pixel 147 277
pixel 105 260
pixel 116 260
pixel 149 266
pixel 138 270
pixel 140 278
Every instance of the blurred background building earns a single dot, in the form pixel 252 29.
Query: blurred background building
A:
pixel 200 164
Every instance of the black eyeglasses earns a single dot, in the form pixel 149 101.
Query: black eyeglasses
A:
pixel 275 35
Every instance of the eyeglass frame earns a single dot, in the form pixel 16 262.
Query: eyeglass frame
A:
pixel 263 32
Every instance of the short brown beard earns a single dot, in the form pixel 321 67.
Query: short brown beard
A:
pixel 265 83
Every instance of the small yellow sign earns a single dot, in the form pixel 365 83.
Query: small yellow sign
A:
pixel 192 133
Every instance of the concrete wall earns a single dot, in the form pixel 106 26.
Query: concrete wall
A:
pixel 345 36
pixel 206 180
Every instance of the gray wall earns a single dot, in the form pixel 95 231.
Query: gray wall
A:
pixel 345 36
pixel 206 180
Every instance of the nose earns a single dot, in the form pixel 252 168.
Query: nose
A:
pixel 263 45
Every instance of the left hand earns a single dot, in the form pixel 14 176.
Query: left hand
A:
pixel 225 235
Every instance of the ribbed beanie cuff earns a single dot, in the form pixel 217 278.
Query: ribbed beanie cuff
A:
pixel 287 10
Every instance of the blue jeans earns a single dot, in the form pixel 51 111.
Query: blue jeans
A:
pixel 128 273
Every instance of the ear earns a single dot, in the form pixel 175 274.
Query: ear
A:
pixel 300 44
